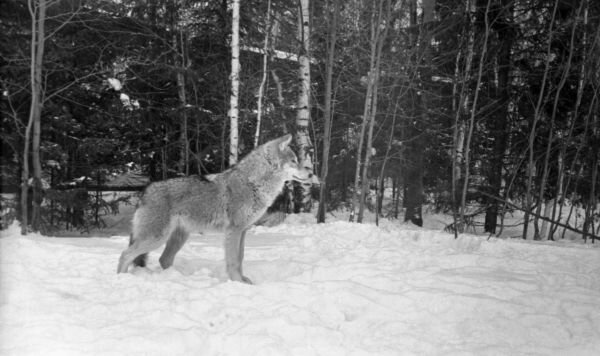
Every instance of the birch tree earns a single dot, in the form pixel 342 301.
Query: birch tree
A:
pixel 235 83
pixel 303 140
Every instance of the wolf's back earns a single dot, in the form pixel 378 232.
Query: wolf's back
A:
pixel 192 200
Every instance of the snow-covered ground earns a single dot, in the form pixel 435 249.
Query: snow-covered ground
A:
pixel 328 289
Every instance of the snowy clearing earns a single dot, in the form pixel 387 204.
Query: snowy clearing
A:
pixel 330 289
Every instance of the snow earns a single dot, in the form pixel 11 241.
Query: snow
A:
pixel 321 289
pixel 125 99
pixel 115 83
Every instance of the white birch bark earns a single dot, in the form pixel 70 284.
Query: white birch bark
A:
pixel 235 84
pixel 303 115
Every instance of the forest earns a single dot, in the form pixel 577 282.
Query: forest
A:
pixel 473 108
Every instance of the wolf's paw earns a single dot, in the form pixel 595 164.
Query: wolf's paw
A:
pixel 246 280
pixel 165 262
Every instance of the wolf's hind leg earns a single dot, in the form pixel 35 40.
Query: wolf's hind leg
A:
pixel 234 255
pixel 139 261
pixel 177 239
pixel 138 248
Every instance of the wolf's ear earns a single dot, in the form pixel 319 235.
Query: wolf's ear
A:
pixel 284 142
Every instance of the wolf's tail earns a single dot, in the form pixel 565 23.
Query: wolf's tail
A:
pixel 140 260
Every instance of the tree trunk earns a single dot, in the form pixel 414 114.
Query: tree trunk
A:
pixel 36 216
pixel 303 114
pixel 265 74
pixel 165 154
pixel 463 201
pixel 594 164
pixel 25 173
pixel 499 125
pixel 536 118
pixel 38 18
pixel 456 149
pixel 413 198
pixel 360 185
pixel 561 186
pixel 462 108
pixel 185 123
pixel 561 84
pixel 381 179
pixel 559 201
pixel 361 141
pixel 544 231
pixel 235 84
pixel 179 43
pixel 185 143
pixel 376 46
pixel 327 114
pixel 280 101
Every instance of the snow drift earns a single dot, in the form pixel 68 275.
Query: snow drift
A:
pixel 327 289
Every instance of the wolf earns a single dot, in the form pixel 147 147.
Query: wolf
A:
pixel 229 202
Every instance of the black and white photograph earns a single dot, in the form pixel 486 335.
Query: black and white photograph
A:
pixel 300 177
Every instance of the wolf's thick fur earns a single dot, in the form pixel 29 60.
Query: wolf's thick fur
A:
pixel 230 201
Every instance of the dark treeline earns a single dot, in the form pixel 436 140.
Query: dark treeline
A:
pixel 473 107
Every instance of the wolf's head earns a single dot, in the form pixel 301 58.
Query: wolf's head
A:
pixel 288 161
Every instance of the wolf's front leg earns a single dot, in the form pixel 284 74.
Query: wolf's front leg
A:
pixel 234 255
